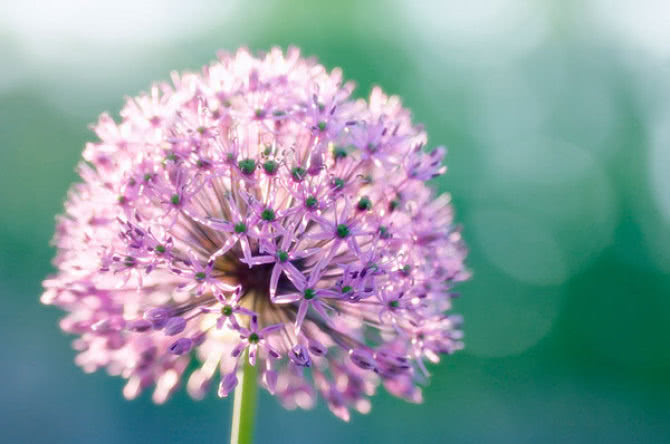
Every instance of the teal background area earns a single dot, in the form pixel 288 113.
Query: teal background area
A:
pixel 557 119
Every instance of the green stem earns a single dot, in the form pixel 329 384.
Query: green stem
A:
pixel 244 408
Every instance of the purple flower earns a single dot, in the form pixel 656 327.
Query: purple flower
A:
pixel 228 310
pixel 309 296
pixel 252 338
pixel 282 257
pixel 256 206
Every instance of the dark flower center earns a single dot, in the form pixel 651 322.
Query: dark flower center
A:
pixel 384 232
pixel 311 202
pixel 339 153
pixel 364 203
pixel 247 166
pixel 342 231
pixel 270 166
pixel 298 174
pixel 268 215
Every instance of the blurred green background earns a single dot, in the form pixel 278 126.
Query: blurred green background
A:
pixel 557 118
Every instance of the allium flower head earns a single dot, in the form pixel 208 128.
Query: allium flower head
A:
pixel 255 211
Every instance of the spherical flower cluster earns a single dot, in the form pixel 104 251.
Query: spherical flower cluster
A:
pixel 255 211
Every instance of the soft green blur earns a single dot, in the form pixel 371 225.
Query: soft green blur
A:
pixel 557 119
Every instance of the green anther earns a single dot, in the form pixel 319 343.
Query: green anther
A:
pixel 268 150
pixel 311 202
pixel 200 275
pixel 364 203
pixel 122 200
pixel 270 166
pixel 172 157
pixel 342 231
pixel 406 269
pixel 278 113
pixel 394 204
pixel 339 152
pixel 247 166
pixel 321 106
pixel 240 228
pixel 372 147
pixel 338 183
pixel 226 310
pixel 268 215
pixel 175 199
pixel 230 157
pixel 201 130
pixel 322 125
pixel 282 256
pixel 160 249
pixel 129 261
pixel 309 294
pixel 132 182
pixel 259 113
pixel 394 304
pixel 347 289
pixel 226 103
pixel 253 338
pixel 298 173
